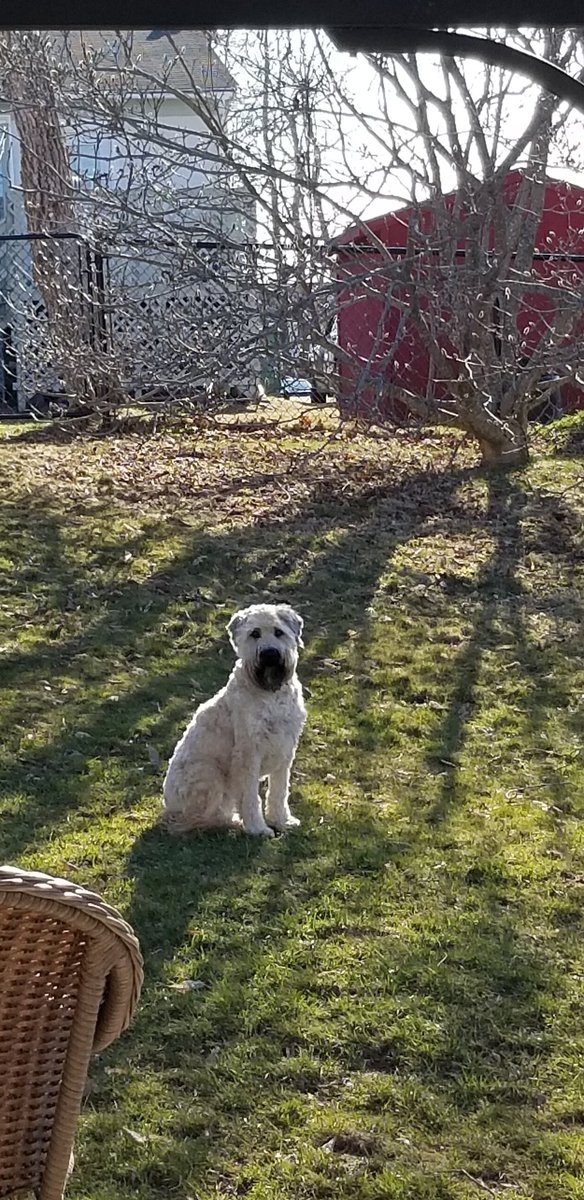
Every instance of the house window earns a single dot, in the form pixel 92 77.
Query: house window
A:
pixel 91 160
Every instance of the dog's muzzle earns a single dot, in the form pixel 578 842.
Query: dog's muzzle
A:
pixel 270 670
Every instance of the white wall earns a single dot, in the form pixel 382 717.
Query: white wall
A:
pixel 14 220
pixel 146 149
pixel 142 159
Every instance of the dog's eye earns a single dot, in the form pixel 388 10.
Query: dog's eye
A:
pixel 278 632
pixel 256 633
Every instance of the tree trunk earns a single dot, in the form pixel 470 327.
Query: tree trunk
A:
pixel 47 191
pixel 502 446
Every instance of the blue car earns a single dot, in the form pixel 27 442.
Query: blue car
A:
pixel 313 389
pixel 295 387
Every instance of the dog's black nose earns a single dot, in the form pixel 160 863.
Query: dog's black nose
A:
pixel 270 657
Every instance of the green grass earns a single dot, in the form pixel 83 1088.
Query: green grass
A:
pixel 393 994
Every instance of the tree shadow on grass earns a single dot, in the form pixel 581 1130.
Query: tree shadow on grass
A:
pixel 335 587
pixel 458 1011
pixel 224 907
pixel 499 623
pixel 328 564
pixel 488 983
pixel 487 990
pixel 225 903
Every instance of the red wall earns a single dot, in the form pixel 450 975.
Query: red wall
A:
pixel 387 355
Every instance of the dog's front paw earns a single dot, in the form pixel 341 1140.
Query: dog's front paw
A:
pixel 258 830
pixel 285 821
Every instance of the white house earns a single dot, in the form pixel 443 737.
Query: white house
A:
pixel 142 155
pixel 133 113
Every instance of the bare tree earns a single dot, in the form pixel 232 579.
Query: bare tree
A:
pixel 471 268
pixel 27 86
pixel 310 143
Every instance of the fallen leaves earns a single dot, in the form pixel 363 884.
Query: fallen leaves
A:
pixel 231 474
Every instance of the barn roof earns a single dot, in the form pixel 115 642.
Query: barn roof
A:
pixel 394 225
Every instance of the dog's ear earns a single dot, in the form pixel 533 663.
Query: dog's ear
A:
pixel 234 626
pixel 293 620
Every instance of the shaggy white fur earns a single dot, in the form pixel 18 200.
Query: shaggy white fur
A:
pixel 247 732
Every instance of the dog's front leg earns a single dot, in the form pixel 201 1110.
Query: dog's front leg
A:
pixel 245 779
pixel 277 808
pixel 251 811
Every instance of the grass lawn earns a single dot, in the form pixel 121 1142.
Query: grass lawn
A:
pixel 393 995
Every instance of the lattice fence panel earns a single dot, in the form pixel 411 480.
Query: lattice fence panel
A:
pixel 183 333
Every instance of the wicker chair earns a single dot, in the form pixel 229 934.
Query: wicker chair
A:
pixel 70 977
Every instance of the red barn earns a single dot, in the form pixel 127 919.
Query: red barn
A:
pixel 383 351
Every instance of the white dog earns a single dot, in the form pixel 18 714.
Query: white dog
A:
pixel 248 732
